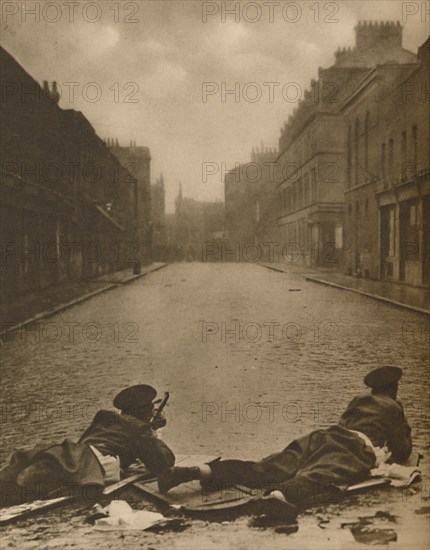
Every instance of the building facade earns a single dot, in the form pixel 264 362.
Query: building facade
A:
pixel 312 162
pixel 67 205
pixel 136 160
pixel 158 215
pixel 387 194
pixel 250 204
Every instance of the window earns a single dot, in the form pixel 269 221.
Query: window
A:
pixel 414 147
pixel 349 153
pixel 366 140
pixel 404 156
pixel 294 196
pixel 392 222
pixel 357 145
pixel 300 194
pixel 306 189
pixel 314 185
pixel 384 165
pixel 390 158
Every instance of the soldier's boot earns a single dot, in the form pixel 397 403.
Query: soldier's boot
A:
pixel 273 507
pixel 175 476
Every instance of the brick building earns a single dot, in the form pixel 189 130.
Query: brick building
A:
pixel 387 183
pixel 312 162
pixel 67 204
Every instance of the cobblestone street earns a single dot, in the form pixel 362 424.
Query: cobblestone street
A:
pixel 252 358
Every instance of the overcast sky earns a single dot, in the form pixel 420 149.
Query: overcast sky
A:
pixel 169 52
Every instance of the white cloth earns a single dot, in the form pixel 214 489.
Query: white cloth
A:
pixel 110 464
pixel 382 454
pixel 122 516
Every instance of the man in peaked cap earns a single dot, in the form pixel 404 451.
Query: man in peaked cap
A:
pixel 372 430
pixel 110 444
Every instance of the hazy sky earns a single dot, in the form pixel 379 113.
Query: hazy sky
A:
pixel 164 57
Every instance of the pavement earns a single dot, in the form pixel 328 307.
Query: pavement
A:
pixel 252 358
pixel 39 305
pixel 397 294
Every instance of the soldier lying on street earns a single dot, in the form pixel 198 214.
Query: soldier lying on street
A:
pixel 110 444
pixel 372 430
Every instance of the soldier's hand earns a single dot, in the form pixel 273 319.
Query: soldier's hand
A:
pixel 158 422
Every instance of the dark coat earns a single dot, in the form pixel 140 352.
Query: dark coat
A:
pixel 382 419
pixel 74 464
pixel 310 467
pixel 129 438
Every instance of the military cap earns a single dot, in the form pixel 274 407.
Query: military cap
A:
pixel 136 397
pixel 383 376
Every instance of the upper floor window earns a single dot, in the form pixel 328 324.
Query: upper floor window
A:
pixel 404 155
pixel 357 149
pixel 415 147
pixel 306 189
pixel 384 164
pixel 313 185
pixel 300 194
pixel 349 158
pixel 366 140
pixel 390 158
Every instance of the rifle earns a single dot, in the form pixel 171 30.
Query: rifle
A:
pixel 157 413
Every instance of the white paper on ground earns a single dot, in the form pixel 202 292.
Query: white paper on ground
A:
pixel 122 516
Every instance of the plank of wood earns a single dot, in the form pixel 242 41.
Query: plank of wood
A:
pixel 20 511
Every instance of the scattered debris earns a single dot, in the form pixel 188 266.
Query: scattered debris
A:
pixel 373 529
pixel 423 510
pixel 366 535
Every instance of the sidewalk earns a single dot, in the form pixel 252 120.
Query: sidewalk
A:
pixel 38 305
pixel 397 294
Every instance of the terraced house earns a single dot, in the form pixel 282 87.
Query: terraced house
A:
pixel 68 206
pixel 387 184
pixel 313 160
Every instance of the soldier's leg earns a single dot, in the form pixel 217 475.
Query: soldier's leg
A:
pixel 336 457
pixel 219 474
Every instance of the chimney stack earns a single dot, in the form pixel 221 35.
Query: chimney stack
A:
pixel 386 34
